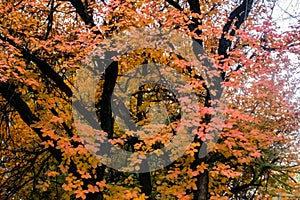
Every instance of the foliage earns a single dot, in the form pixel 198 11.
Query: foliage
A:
pixel 44 42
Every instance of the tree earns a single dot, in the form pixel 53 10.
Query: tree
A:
pixel 43 156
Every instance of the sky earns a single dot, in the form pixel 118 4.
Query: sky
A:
pixel 285 14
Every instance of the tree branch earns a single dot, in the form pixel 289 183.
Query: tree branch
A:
pixel 239 14
pixel 14 99
pixel 83 12
pixel 42 65
pixel 175 4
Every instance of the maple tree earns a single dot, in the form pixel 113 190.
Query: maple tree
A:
pixel 252 155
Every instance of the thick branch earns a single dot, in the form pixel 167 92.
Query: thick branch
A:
pixel 15 100
pixel 45 68
pixel 110 79
pixel 175 4
pixel 83 12
pixel 239 15
pixel 196 22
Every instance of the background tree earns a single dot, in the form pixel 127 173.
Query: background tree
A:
pixel 44 42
